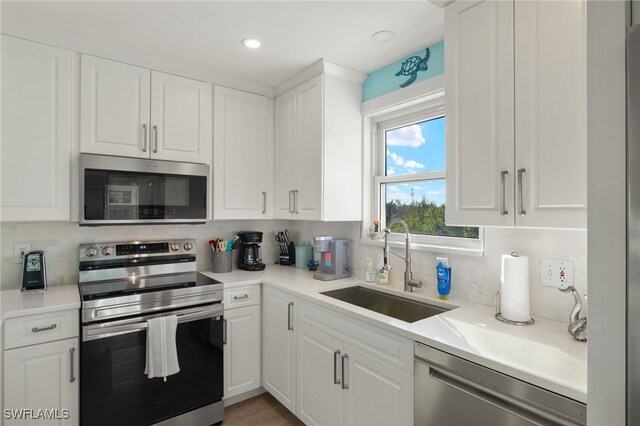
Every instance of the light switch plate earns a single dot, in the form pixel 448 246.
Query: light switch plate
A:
pixel 556 273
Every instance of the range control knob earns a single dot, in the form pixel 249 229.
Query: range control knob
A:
pixel 107 251
pixel 175 246
pixel 91 251
pixel 188 246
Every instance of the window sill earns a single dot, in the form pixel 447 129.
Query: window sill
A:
pixel 433 248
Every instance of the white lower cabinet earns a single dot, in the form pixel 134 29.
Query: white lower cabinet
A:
pixel 241 350
pixel 278 339
pixel 42 377
pixel 319 392
pixel 376 394
pixel 338 384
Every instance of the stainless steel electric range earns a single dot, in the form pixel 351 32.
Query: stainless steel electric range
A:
pixel 122 285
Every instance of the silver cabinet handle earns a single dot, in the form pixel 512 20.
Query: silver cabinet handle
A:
pixel 39 329
pixel 290 208
pixel 72 377
pixel 336 379
pixel 144 138
pixel 345 358
pixel 289 323
pixel 503 179
pixel 521 172
pixel 155 139
pixel 295 201
pixel 264 202
pixel 224 331
pixel 244 296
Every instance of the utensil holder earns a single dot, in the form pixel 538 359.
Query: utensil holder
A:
pixel 222 261
pixel 288 257
pixel 303 255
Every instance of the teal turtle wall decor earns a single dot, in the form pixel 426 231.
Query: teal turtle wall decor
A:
pixel 411 66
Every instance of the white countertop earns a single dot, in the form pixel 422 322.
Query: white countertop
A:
pixel 543 354
pixel 14 303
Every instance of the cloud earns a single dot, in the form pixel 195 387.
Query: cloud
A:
pixel 400 161
pixel 410 164
pixel 391 171
pixel 406 136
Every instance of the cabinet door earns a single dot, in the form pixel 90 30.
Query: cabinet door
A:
pixel 479 102
pixel 242 156
pixel 242 350
pixel 377 393
pixel 36 126
pixel 114 108
pixel 550 96
pixel 310 121
pixel 285 166
pixel 181 119
pixel 43 376
pixel 278 355
pixel 319 398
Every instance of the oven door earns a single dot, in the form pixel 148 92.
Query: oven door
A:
pixel 114 389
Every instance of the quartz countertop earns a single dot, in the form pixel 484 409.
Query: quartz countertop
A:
pixel 14 303
pixel 543 354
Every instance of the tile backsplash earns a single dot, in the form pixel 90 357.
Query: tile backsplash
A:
pixel 474 279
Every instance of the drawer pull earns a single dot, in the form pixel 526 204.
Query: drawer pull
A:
pixel 244 296
pixel 39 329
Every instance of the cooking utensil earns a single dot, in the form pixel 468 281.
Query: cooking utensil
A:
pixel 222 245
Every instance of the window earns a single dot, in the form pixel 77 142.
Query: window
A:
pixel 408 168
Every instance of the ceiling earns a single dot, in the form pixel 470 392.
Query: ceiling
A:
pixel 206 35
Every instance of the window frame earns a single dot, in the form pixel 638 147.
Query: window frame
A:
pixel 390 118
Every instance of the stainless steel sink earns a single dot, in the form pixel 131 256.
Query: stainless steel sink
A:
pixel 386 304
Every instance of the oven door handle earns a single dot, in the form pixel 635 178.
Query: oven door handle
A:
pixel 106 330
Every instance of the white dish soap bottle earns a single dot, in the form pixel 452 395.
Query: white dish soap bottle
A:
pixel 370 273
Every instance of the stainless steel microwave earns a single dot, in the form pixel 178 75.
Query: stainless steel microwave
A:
pixel 122 190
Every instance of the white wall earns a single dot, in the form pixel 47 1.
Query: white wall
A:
pixel 60 242
pixel 475 279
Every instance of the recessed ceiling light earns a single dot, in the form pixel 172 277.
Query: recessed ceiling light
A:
pixel 382 36
pixel 251 43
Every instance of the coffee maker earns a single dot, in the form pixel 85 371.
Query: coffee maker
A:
pixel 34 272
pixel 249 256
pixel 334 258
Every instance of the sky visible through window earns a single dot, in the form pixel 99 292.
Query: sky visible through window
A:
pixel 416 148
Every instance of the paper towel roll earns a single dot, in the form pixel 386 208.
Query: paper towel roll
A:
pixel 514 294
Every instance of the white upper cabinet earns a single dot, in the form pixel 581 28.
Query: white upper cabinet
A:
pixel 114 108
pixel 36 131
pixel 181 118
pixel 551 113
pixel 242 155
pixel 136 112
pixel 516 113
pixel 318 150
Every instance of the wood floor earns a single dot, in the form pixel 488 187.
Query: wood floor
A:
pixel 263 410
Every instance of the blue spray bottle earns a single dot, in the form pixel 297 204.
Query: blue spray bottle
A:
pixel 443 273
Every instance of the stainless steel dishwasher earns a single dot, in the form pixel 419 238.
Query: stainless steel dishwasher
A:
pixel 452 391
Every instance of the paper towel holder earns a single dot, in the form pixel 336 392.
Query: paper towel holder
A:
pixel 499 316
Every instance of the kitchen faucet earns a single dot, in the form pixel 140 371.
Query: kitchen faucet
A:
pixel 409 282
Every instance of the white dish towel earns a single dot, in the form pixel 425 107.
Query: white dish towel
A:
pixel 162 354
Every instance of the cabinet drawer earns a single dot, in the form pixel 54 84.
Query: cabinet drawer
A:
pixel 33 329
pixel 241 296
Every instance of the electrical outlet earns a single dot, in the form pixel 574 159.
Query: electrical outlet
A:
pixel 556 273
pixel 19 250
